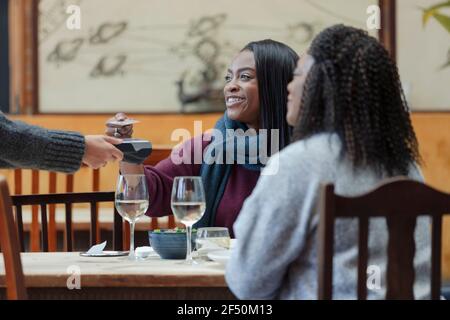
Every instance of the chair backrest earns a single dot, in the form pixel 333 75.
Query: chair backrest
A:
pixel 400 201
pixel 15 283
pixel 68 199
pixel 52 179
pixel 44 237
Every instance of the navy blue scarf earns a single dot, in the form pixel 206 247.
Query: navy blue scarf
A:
pixel 215 175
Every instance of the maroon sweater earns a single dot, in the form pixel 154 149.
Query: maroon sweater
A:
pixel 160 179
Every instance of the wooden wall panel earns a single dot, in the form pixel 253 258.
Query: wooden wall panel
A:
pixel 387 33
pixel 433 132
pixel 23 56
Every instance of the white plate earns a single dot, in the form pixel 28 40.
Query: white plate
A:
pixel 105 254
pixel 220 256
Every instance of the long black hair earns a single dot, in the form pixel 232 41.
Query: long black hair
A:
pixel 354 90
pixel 275 63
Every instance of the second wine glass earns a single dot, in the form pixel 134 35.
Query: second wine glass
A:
pixel 188 206
pixel 132 201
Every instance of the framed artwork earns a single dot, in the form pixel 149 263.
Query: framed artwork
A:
pixel 145 56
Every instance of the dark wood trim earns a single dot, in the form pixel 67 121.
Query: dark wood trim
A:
pixel 128 293
pixel 18 181
pixel 19 222
pixel 118 234
pixel 363 256
pixel 388 31
pixel 326 244
pixel 400 272
pixel 44 226
pixel 16 24
pixel 436 254
pixel 23 43
pixel 35 54
pixel 56 198
pixel 52 238
pixel 4 58
pixel 68 234
pixel 35 239
pixel 94 230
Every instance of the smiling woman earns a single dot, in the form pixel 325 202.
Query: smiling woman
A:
pixel 241 90
pixel 255 97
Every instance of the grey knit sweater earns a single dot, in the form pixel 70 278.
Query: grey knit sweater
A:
pixel 26 146
pixel 276 230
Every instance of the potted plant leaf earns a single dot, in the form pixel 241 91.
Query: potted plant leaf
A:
pixel 435 12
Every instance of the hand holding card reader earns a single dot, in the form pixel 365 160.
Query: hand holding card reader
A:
pixel 135 150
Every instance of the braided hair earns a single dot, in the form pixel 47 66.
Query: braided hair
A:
pixel 354 90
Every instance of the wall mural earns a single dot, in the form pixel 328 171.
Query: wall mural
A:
pixel 165 55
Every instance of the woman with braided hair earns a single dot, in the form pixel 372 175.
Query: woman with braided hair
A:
pixel 351 128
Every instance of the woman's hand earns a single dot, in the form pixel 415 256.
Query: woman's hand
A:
pixel 119 131
pixel 100 150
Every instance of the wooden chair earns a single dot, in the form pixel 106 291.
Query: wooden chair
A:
pixel 68 199
pixel 400 201
pixel 15 282
pixel 36 176
pixel 44 237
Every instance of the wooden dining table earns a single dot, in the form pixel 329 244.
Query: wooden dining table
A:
pixel 67 275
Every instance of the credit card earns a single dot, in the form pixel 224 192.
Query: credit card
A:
pixel 123 123
pixel 135 150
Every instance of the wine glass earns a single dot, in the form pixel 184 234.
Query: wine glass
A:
pixel 188 206
pixel 131 202
pixel 211 239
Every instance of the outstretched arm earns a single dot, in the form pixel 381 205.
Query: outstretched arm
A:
pixel 27 146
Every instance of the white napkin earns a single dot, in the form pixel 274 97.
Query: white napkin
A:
pixel 144 252
pixel 97 249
